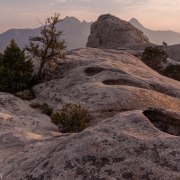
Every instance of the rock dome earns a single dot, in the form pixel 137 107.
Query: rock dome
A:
pixel 111 32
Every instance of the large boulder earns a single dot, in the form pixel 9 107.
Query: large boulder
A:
pixel 111 32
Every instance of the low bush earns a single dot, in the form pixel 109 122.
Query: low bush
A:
pixel 46 109
pixel 172 71
pixel 43 107
pixel 73 118
pixel 35 105
pixel 154 57
pixel 26 94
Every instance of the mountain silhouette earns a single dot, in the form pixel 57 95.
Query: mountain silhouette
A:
pixel 157 37
pixel 75 34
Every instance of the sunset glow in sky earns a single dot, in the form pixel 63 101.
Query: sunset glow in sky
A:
pixel 153 14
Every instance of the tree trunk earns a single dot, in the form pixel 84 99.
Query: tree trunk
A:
pixel 40 72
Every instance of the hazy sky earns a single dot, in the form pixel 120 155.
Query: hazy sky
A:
pixel 153 14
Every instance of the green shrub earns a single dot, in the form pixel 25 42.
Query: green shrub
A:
pixel 154 57
pixel 26 94
pixel 172 71
pixel 15 71
pixel 72 118
pixel 44 108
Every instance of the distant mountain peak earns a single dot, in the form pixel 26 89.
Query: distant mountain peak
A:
pixel 134 20
pixel 71 19
pixel 136 23
pixel 157 37
pixel 75 34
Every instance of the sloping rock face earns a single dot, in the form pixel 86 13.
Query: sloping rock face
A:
pixel 134 134
pixel 108 82
pixel 110 32
pixel 20 124
pixel 126 146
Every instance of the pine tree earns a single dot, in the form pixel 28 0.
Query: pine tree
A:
pixel 48 47
pixel 15 71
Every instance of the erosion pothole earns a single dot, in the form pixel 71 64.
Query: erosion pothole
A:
pixel 126 82
pixel 165 121
pixel 91 71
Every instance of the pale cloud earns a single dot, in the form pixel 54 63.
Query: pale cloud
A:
pixel 154 14
pixel 60 1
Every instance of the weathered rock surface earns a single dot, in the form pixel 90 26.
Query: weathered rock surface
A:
pixel 126 146
pixel 108 82
pixel 140 140
pixel 110 32
pixel 19 124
